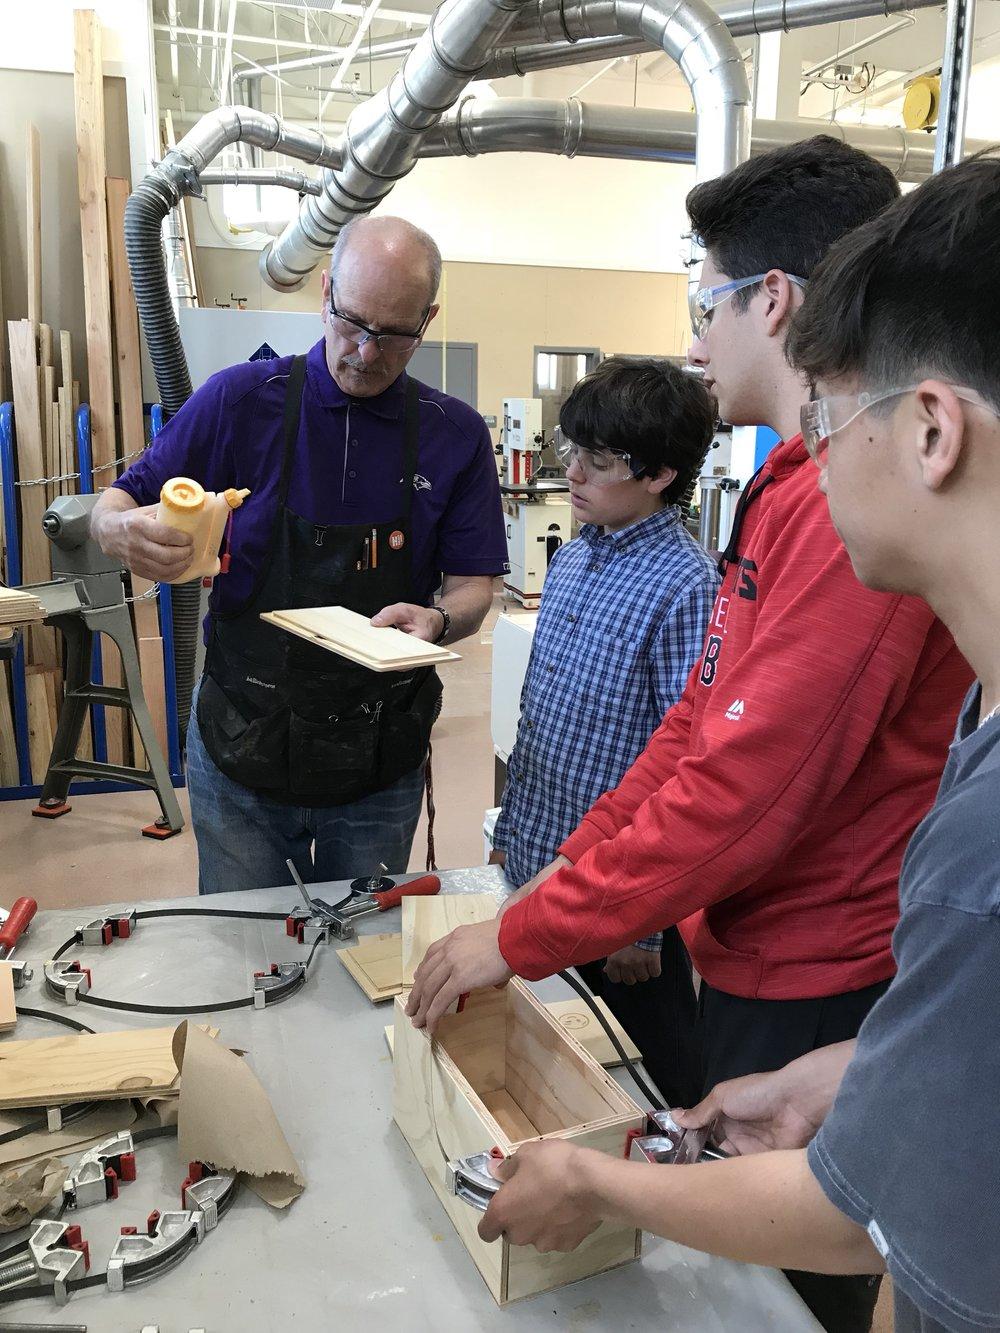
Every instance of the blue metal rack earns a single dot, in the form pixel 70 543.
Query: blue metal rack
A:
pixel 27 786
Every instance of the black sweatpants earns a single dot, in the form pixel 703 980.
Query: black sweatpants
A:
pixel 740 1036
pixel 660 1015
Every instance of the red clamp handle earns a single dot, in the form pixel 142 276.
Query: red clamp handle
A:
pixel 417 888
pixel 17 922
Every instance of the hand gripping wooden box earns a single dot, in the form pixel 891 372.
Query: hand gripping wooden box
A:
pixel 501 1072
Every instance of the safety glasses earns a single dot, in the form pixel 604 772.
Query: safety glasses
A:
pixel 824 417
pixel 386 340
pixel 600 467
pixel 706 299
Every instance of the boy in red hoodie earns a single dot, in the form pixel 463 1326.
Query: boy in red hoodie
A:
pixel 769 812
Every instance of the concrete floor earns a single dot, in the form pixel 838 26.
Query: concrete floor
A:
pixel 97 853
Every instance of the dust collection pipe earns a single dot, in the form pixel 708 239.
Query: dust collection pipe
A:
pixel 382 136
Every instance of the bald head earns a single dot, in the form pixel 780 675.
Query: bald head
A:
pixel 390 244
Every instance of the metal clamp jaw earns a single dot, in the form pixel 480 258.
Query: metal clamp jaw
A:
pixel 60 1254
pixel 105 929
pixel 470 1179
pixel 20 972
pixel 67 981
pixel 275 985
pixel 666 1143
pixel 307 929
pixel 95 1176
pixel 170 1236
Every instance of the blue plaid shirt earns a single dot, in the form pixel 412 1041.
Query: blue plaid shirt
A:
pixel 621 624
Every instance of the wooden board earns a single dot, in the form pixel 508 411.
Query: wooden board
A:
pixel 36 559
pixel 144 611
pixel 88 94
pixel 8 1011
pixel 451 1097
pixel 153 687
pixel 9 776
pixel 428 919
pixel 352 636
pixel 126 322
pixel 376 964
pixel 39 722
pixel 33 236
pixel 575 1018
pixel 51 1071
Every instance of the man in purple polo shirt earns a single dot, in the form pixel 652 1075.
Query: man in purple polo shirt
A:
pixel 366 488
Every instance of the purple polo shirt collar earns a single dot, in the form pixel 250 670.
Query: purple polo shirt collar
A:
pixel 388 404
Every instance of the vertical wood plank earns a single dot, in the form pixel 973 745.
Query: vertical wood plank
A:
pixel 33 237
pixel 126 322
pixel 88 91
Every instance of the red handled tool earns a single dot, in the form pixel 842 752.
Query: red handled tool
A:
pixel 321 918
pixel 17 922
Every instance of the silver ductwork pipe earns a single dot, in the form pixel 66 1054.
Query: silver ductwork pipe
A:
pixel 289 180
pixel 583 20
pixel 582 129
pixel 382 137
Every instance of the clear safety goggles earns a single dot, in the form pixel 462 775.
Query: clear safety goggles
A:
pixel 600 467
pixel 386 340
pixel 824 417
pixel 705 299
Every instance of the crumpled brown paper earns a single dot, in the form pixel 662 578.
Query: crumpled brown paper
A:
pixel 225 1117
pixel 26 1191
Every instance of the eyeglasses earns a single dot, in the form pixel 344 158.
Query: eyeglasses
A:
pixel 824 417
pixel 600 467
pixel 386 340
pixel 705 299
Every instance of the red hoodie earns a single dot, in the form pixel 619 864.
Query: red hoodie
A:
pixel 770 810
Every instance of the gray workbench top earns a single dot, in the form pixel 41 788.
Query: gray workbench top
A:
pixel 367 1246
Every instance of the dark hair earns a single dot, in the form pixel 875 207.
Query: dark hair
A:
pixel 914 292
pixel 784 209
pixel 646 407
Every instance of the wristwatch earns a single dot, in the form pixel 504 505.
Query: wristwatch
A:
pixel 445 617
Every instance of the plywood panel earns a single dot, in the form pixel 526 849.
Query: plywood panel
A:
pixel 353 636
pixel 576 1019
pixel 151 666
pixel 428 919
pixel 8 1011
pixel 91 1067
pixel 376 964
pixel 8 745
pixel 36 560
pixel 39 723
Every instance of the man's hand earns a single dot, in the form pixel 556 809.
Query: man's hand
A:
pixel 632 965
pixel 497 857
pixel 543 1200
pixel 423 622
pixel 519 895
pixel 467 959
pixel 784 1109
pixel 148 548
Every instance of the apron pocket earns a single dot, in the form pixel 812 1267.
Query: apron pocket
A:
pixel 405 735
pixel 335 760
pixel 252 753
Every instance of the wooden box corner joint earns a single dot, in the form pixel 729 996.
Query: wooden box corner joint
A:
pixel 501 1072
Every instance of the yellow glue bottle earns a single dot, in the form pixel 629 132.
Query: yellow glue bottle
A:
pixel 188 507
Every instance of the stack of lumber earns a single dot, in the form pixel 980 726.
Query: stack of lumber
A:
pixel 46 371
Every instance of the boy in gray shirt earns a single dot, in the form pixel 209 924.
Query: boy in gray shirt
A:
pixel 880 1153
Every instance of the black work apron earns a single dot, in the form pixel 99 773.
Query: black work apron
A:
pixel 292 720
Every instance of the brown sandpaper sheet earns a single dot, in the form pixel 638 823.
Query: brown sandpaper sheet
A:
pixel 225 1117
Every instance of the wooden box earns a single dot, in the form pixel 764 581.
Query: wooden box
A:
pixel 501 1072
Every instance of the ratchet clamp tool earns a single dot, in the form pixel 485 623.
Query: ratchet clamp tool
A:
pixel 319 920
pixel 13 925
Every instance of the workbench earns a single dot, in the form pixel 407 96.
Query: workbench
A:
pixel 367 1246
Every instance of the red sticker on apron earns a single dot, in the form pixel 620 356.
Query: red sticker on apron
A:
pixel 396 540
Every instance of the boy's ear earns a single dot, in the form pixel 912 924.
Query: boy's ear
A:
pixel 656 485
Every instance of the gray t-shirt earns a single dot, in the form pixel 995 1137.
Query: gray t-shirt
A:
pixel 911 1147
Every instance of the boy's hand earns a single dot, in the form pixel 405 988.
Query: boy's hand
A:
pixel 632 965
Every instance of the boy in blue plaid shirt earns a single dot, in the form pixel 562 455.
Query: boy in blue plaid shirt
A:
pixel 623 616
